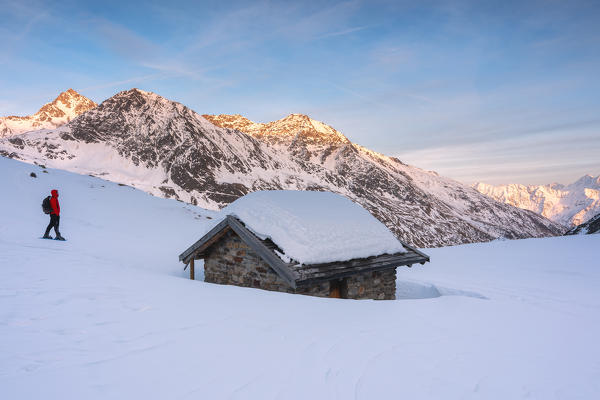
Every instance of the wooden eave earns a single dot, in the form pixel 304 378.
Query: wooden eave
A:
pixel 298 274
pixel 205 241
pixel 314 273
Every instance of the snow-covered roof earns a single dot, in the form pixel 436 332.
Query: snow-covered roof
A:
pixel 314 227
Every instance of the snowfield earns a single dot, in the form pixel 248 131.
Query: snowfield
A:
pixel 109 315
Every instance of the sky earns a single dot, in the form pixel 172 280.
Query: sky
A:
pixel 495 92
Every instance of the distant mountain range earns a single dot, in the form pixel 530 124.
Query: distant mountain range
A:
pixel 568 205
pixel 160 146
pixel 64 108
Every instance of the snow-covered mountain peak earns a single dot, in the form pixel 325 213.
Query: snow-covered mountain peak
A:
pixel 134 98
pixel 147 109
pixel 65 107
pixel 586 181
pixel 69 103
pixel 285 131
pixel 135 115
pixel 138 92
pixel 569 205
pixel 295 125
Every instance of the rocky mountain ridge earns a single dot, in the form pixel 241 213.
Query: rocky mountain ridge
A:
pixel 65 107
pixel 569 205
pixel 297 134
pixel 283 131
pixel 591 226
pixel 163 147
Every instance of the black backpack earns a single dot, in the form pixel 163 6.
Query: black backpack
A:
pixel 46 206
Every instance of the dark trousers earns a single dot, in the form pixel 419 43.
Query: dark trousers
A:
pixel 54 221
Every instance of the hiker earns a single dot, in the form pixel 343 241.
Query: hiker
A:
pixel 54 217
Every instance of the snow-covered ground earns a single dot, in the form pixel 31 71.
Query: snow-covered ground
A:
pixel 108 315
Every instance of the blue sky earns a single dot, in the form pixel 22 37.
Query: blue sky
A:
pixel 478 91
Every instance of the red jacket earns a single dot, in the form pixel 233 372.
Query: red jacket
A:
pixel 54 202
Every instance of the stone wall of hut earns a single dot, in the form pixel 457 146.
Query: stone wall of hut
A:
pixel 231 261
pixel 378 285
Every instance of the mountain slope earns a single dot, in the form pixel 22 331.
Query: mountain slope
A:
pixel 568 205
pixel 67 106
pixel 412 202
pixel 590 226
pixel 164 148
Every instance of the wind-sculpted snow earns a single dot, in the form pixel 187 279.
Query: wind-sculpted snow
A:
pixel 143 140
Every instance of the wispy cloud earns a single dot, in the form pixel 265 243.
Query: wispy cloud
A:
pixel 249 26
pixel 342 32
pixel 310 24
pixel 148 54
pixel 22 20
pixel 528 159
pixel 136 79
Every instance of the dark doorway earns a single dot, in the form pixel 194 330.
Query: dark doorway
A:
pixel 338 289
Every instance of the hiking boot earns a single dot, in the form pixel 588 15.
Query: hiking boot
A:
pixel 46 237
pixel 59 237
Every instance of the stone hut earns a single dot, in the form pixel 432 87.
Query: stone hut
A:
pixel 312 243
